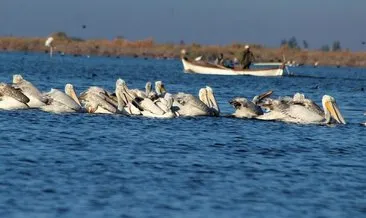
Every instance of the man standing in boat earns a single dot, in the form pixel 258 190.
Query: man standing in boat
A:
pixel 247 58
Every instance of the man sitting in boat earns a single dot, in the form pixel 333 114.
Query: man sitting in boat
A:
pixel 220 60
pixel 247 58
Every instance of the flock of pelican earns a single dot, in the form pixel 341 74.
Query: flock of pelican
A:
pixel 296 109
pixel 158 103
pixel 22 94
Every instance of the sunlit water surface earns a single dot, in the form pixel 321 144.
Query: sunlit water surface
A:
pixel 82 165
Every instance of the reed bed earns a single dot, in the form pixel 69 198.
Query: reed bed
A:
pixel 148 48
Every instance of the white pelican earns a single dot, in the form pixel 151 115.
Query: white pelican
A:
pixel 143 94
pixel 295 110
pixel 160 89
pixel 126 99
pixel 189 105
pixel 36 98
pixel 60 102
pixel 98 100
pixel 160 108
pixel 245 108
pixel 130 102
pixel 12 98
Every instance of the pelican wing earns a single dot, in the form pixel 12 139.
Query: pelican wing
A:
pixel 62 99
pixel 300 113
pixel 148 105
pixel 189 105
pixel 314 107
pixel 30 90
pixel 7 90
pixel 163 105
pixel 93 101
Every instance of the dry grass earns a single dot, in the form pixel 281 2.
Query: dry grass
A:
pixel 148 48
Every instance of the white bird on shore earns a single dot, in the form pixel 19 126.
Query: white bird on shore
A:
pixel 49 43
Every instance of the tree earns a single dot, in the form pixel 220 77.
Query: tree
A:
pixel 325 48
pixel 292 42
pixel 283 42
pixel 305 44
pixel 336 46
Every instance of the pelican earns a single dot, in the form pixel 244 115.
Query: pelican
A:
pixel 245 108
pixel 294 110
pixel 143 94
pixel 126 99
pixel 36 99
pixel 189 105
pixel 159 108
pixel 12 98
pixel 156 106
pixel 160 89
pixel 60 102
pixel 98 100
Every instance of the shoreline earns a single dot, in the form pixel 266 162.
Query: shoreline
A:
pixel 149 49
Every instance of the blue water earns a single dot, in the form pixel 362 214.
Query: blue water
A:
pixel 82 165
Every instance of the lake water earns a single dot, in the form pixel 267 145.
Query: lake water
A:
pixel 82 165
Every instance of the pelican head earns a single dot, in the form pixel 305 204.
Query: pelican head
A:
pixel 148 88
pixel 121 86
pixel 160 88
pixel 70 91
pixel 121 97
pixel 169 100
pixel 331 110
pixel 17 78
pixel 202 94
pixel 299 97
pixel 245 108
pixel 120 83
pixel 206 95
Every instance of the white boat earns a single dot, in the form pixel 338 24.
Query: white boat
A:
pixel 213 69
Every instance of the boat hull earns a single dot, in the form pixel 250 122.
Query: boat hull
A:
pixel 211 69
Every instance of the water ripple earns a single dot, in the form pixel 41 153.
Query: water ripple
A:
pixel 82 165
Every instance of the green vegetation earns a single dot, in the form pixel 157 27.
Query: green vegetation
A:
pixel 325 48
pixel 336 46
pixel 291 43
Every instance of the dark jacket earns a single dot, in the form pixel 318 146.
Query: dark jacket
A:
pixel 247 58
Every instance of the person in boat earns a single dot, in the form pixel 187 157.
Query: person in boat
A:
pixel 229 64
pixel 220 60
pixel 247 58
